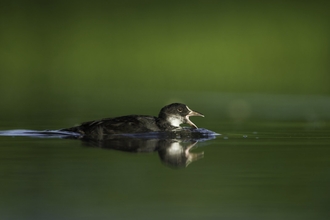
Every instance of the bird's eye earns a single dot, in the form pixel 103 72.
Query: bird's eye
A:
pixel 179 109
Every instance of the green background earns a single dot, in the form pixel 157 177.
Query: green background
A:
pixel 74 47
pixel 83 60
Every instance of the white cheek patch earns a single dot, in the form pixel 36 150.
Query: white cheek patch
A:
pixel 175 121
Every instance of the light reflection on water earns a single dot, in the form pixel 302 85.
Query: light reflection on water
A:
pixel 284 173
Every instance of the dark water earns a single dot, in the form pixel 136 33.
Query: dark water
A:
pixel 254 170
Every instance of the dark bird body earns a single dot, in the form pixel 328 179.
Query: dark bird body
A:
pixel 169 119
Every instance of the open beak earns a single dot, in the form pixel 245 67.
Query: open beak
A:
pixel 192 113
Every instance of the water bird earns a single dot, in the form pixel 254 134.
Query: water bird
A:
pixel 169 119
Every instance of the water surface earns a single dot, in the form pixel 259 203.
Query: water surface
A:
pixel 254 170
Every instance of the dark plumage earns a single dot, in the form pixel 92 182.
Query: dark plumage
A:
pixel 169 119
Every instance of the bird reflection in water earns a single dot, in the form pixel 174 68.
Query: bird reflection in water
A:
pixel 174 148
pixel 174 153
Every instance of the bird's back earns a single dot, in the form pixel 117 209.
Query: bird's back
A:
pixel 119 125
